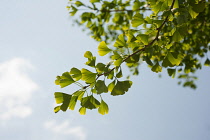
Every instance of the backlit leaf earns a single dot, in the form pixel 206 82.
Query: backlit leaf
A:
pixel 90 102
pixel 57 109
pixel 111 86
pixel 101 87
pixel 156 68
pixel 73 102
pixel 207 62
pixel 137 20
pixel 64 80
pixel 171 72
pixel 121 87
pixel 103 49
pixel 82 110
pixel 120 42
pixel 76 74
pixel 88 76
pixel 103 108
pixel 143 38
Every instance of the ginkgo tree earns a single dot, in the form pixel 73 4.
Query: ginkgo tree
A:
pixel 164 34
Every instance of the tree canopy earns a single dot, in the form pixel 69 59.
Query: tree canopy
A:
pixel 164 34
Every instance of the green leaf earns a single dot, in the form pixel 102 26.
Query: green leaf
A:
pixel 110 75
pixel 88 54
pixel 176 4
pixel 111 86
pixel 143 38
pixel 119 74
pixel 172 59
pixel 156 68
pixel 121 87
pixel 177 36
pixel 91 59
pixel 74 11
pixel 73 102
pixel 198 7
pixel 100 67
pixel 57 109
pixel 66 101
pixel 148 61
pixel 78 3
pixel 120 42
pixel 79 94
pixel 115 56
pixel 76 74
pixel 91 62
pixel 101 87
pixel 118 62
pixel 59 97
pixel 130 36
pixel 171 72
pixel 64 80
pixel 82 110
pixel 137 20
pixel 103 109
pixel 192 12
pixel 157 7
pixel 94 1
pixel 90 102
pixel 62 98
pixel 88 76
pixel 158 23
pixel 57 81
pixel 207 62
pixel 103 49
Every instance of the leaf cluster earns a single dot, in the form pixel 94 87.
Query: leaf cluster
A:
pixel 165 34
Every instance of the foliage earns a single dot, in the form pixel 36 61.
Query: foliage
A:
pixel 165 34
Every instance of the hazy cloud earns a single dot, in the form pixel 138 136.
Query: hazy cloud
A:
pixel 66 129
pixel 16 89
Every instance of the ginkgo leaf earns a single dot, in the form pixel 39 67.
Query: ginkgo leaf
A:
pixel 101 87
pixel 65 79
pixel 88 76
pixel 137 20
pixel 90 102
pixel 79 94
pixel 73 102
pixel 156 68
pixel 57 109
pixel 121 87
pixel 111 86
pixel 171 72
pixel 76 74
pixel 93 1
pixel 207 62
pixel 103 49
pixel 143 38
pixel 82 110
pixel 120 42
pixel 88 54
pixel 103 109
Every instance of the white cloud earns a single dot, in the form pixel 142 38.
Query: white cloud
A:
pixel 66 129
pixel 16 89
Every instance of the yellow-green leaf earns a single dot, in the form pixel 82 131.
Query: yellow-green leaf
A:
pixel 88 76
pixel 82 110
pixel 103 108
pixel 137 20
pixel 103 49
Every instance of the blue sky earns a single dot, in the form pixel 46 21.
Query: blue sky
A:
pixel 38 43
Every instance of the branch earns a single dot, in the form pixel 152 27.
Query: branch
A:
pixel 138 51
